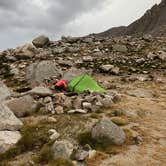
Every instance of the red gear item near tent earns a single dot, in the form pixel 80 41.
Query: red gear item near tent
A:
pixel 61 83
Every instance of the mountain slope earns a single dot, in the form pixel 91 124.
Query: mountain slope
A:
pixel 152 22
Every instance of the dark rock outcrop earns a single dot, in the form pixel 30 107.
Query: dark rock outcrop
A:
pixel 153 22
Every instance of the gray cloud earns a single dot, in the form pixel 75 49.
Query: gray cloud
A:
pixel 21 20
pixel 49 15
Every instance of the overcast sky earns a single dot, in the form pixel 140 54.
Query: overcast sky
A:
pixel 22 20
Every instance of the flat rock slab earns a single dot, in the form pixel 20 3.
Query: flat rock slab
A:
pixel 140 92
pixel 8 121
pixel 41 91
pixel 22 106
pixel 4 91
pixel 8 139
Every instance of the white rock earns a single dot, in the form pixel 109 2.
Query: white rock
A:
pixel 77 111
pixel 8 139
pixel 92 153
pixel 54 133
pixel 87 105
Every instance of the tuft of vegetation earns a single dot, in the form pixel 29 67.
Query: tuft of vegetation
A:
pixel 10 153
pixel 34 135
pixel 86 138
pixel 61 162
pixel 45 155
pixel 95 116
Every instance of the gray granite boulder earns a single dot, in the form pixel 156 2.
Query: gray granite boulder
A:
pixel 106 132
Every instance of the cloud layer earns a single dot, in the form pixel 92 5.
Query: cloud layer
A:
pixel 21 20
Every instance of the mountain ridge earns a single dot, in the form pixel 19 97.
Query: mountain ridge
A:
pixel 153 22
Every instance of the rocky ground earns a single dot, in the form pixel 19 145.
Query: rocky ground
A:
pixel 40 125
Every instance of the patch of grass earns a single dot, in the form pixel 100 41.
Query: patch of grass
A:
pixel 129 138
pixel 96 160
pixel 45 154
pixel 61 162
pixel 10 153
pixel 95 116
pixel 34 135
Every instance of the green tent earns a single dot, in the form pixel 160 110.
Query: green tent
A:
pixel 84 82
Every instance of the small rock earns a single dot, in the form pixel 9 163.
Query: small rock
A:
pixel 77 103
pixel 59 110
pixel 81 155
pixel 47 99
pixel 52 120
pixel 50 108
pixel 120 120
pixel 77 111
pixel 63 149
pixel 162 55
pixel 87 59
pixel 88 40
pixel 106 132
pixel 107 101
pixel 147 37
pixel 87 105
pixel 92 154
pixel 106 68
pixel 54 133
pixel 115 70
pixel 41 41
pixel 151 56
pixel 67 103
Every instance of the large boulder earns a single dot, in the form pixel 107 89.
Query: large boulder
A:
pixel 23 106
pixel 8 121
pixel 37 72
pixel 41 41
pixel 106 132
pixel 4 91
pixel 8 139
pixel 26 51
pixel 62 148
